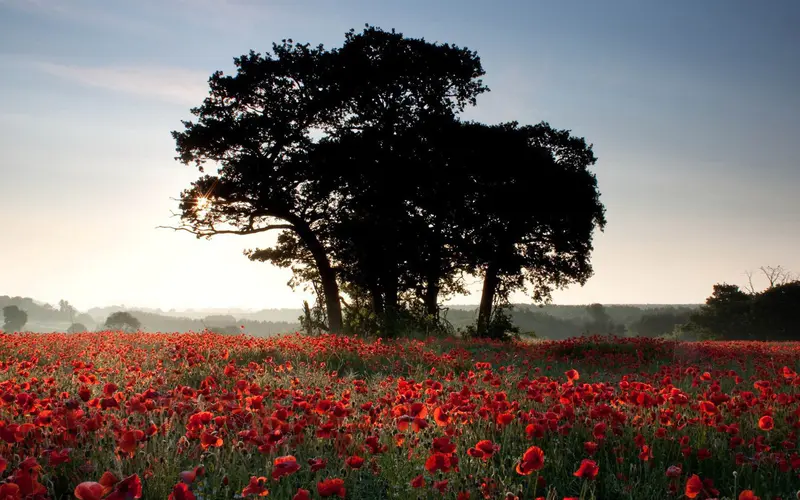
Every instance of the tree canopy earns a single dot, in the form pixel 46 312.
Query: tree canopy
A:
pixel 357 157
pixel 122 320
pixel 14 319
pixel 733 314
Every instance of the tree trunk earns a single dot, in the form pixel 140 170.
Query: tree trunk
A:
pixel 377 298
pixel 432 298
pixel 330 288
pixel 434 273
pixel 490 281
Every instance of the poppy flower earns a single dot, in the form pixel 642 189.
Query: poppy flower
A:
pixel 440 461
pixel 27 478
pixel 484 449
pixel 256 487
pixel 127 489
pixel 330 487
pixel 694 486
pixel 505 418
pixel 599 431
pixel 302 494
pixel 532 460
pixel 748 495
pixel 89 490
pixel 9 491
pixel 284 466
pixel 317 464
pixel 189 476
pixel 418 482
pixel 181 491
pixel 587 470
pixel 443 445
pixel 354 462
pixel 766 423
pixel 441 417
pixel 572 375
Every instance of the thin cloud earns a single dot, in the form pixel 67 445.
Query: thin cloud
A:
pixel 150 16
pixel 173 85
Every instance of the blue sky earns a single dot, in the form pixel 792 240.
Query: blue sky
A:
pixel 692 107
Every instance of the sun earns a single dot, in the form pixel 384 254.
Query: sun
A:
pixel 202 203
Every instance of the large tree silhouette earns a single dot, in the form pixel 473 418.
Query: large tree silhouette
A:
pixel 534 211
pixel 261 127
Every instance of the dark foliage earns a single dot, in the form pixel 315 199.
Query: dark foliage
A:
pixel 14 319
pixel 357 156
pixel 122 320
pixel 731 314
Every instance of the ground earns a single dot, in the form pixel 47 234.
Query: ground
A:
pixel 112 415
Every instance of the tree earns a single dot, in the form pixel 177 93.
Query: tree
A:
pixel 532 212
pixel 775 276
pixel 260 126
pixel 726 314
pixel 122 320
pixel 14 319
pixel 77 328
pixel 599 320
pixel 734 314
pixel 776 312
pixel 64 307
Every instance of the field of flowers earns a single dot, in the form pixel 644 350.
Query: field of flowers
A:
pixel 202 416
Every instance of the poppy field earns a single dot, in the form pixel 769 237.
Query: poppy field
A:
pixel 204 416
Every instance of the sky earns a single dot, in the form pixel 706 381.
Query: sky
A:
pixel 693 109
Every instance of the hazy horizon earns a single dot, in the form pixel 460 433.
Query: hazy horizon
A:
pixel 692 108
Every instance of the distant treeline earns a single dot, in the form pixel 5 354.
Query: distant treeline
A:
pixel 284 315
pixel 46 314
pixel 550 321
pixel 560 322
pixel 730 313
pixel 42 317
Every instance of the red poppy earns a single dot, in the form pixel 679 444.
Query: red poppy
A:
pixel 748 495
pixel 302 494
pixel 27 478
pixel 441 417
pixel 9 491
pixel 532 460
pixel 587 470
pixel 674 471
pixel 127 489
pixel 89 490
pixel 354 462
pixel 317 464
pixel 766 423
pixel 483 449
pixel 256 487
pixel 284 466
pixel 440 461
pixel 694 486
pixel 181 491
pixel 189 476
pixel 330 487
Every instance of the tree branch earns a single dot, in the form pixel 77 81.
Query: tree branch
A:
pixel 228 231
